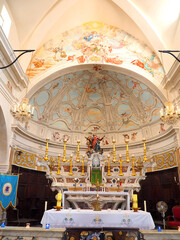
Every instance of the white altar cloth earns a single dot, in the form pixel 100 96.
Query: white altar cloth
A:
pixel 79 218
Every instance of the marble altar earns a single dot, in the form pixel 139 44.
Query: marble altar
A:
pixel 114 199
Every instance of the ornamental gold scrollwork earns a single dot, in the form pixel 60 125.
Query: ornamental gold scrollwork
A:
pixel 24 159
pixel 165 160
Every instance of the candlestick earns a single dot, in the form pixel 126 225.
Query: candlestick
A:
pixel 77 159
pixel 82 174
pixel 109 172
pixel 133 166
pixel 70 167
pixel 46 152
pixel 64 153
pixel 145 156
pixel 120 166
pixel 127 151
pixel 58 170
pixel 114 151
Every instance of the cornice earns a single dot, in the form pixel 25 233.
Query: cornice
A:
pixel 15 73
pixel 156 141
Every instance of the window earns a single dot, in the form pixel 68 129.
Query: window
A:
pixel 5 21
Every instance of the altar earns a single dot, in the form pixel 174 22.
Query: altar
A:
pixel 80 218
pixel 80 199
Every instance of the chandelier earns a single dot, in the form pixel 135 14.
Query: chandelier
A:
pixel 23 111
pixel 170 113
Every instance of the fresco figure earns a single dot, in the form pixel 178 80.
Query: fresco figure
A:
pixel 162 129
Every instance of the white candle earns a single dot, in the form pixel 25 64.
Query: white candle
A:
pixel 145 209
pixel 45 206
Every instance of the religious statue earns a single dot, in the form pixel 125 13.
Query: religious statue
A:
pixel 93 143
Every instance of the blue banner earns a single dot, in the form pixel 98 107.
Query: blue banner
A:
pixel 8 190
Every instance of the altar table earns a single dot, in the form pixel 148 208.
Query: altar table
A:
pixel 116 198
pixel 79 218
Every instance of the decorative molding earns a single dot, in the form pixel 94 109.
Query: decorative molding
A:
pixel 15 73
pixel 24 159
pixel 165 160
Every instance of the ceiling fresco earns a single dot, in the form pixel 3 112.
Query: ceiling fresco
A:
pixel 96 42
pixel 95 99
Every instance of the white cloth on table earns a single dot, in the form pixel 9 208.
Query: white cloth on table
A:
pixel 74 218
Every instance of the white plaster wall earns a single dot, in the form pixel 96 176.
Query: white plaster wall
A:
pixel 5 133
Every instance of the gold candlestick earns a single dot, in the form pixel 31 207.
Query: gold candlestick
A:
pixel 127 151
pixel 133 166
pixel 58 170
pixel 114 151
pixel 120 166
pixel 145 156
pixel 109 172
pixel 64 153
pixel 46 152
pixel 51 164
pixel 70 169
pixel 77 159
pixel 82 173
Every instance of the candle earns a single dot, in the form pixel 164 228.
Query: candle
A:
pixel 135 204
pixel 145 209
pixel 27 225
pixel 135 197
pixel 47 226
pixel 3 224
pixel 45 206
pixel 59 197
pixel 159 229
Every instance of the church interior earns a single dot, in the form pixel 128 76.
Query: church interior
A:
pixel 90 118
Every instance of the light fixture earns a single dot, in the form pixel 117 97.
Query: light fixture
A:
pixel 170 113
pixel 23 111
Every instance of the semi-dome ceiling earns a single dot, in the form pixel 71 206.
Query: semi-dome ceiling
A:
pixel 95 99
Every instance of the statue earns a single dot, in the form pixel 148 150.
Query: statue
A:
pixel 93 144
pixel 89 144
